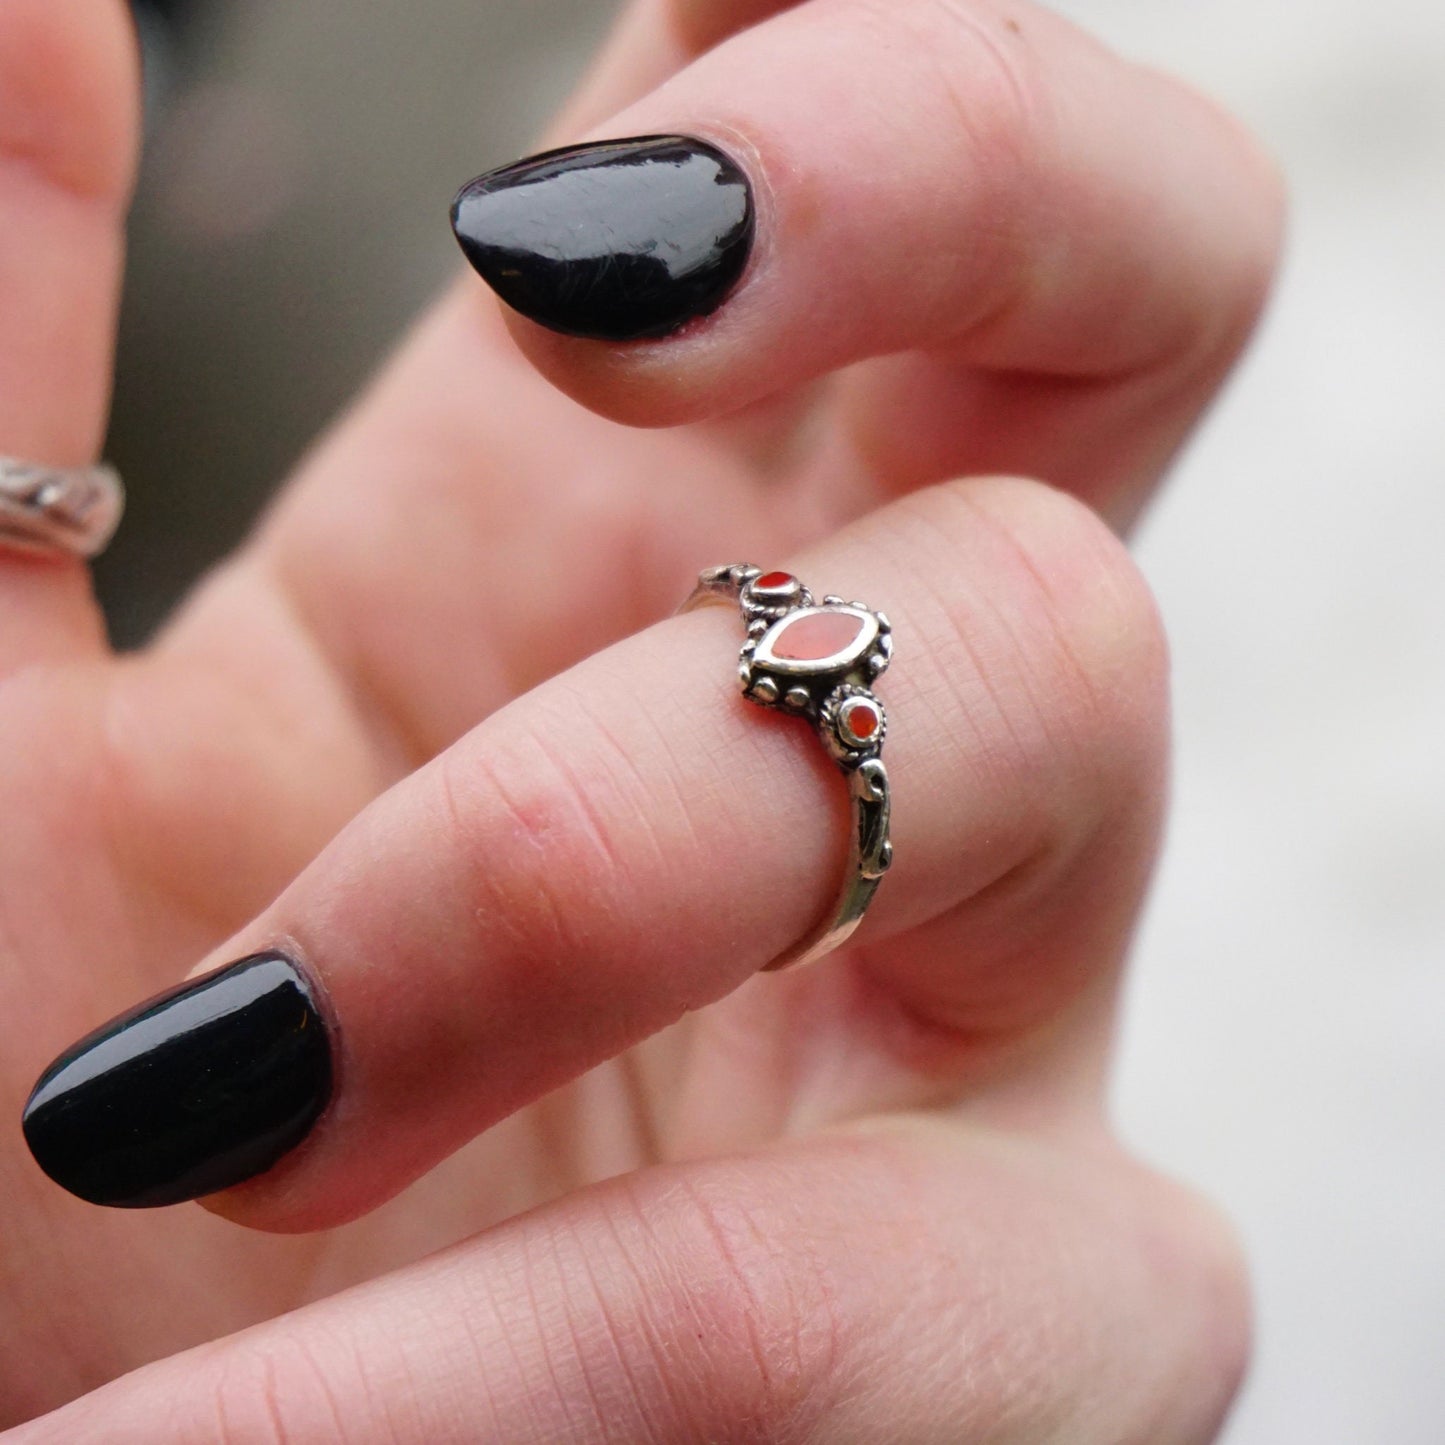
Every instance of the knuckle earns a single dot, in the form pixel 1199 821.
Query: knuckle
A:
pixel 67 97
pixel 1052 616
pixel 987 85
pixel 270 1396
pixel 566 825
pixel 728 1329
pixel 536 835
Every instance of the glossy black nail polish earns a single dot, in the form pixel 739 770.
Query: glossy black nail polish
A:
pixel 193 1091
pixel 617 241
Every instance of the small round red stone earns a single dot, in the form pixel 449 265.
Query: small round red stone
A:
pixel 775 582
pixel 860 718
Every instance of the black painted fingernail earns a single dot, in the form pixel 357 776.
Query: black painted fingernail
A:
pixel 193 1091
pixel 617 241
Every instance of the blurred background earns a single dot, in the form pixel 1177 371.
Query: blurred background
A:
pixel 1285 1041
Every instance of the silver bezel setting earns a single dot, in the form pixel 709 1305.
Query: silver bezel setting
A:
pixel 845 745
pixel 804 685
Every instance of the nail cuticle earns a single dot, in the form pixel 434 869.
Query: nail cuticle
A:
pixel 194 1091
pixel 624 240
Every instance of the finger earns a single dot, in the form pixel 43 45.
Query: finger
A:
pixel 632 840
pixel 652 40
pixel 982 207
pixel 909 1283
pixel 67 142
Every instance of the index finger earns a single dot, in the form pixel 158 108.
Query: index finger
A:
pixel 630 842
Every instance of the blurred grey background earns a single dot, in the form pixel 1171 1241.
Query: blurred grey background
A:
pixel 1285 1042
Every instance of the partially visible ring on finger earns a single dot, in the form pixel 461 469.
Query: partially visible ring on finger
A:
pixel 68 510
pixel 819 661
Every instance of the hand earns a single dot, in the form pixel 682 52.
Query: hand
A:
pixel 872 1200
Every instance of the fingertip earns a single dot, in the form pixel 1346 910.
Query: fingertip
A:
pixel 628 270
pixel 264 1204
pixel 68 126
pixel 671 381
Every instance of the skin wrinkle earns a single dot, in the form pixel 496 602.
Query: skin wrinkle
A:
pixel 786 1388
pixel 705 1211
pixel 25 165
pixel 696 841
pixel 643 817
pixel 1123 744
pixel 1064 633
pixel 978 672
pixel 481 1291
pixel 581 804
pixel 401 1394
pixel 1005 120
pixel 250 1394
pixel 646 1324
pixel 298 1346
pixel 98 174
pixel 1001 111
pixel 482 1396
pixel 495 906
pixel 616 1333
pixel 527 1272
pixel 1024 679
pixel 973 1047
pixel 581 1353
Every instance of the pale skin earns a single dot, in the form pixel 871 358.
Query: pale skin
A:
pixel 535 857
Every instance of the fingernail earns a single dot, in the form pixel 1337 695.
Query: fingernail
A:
pixel 617 241
pixel 193 1091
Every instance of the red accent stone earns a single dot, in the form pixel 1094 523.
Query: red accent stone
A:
pixel 775 582
pixel 861 718
pixel 816 635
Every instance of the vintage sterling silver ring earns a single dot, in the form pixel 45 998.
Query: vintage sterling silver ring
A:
pixel 70 510
pixel 819 661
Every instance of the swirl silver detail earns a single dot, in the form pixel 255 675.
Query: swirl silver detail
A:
pixel 73 510
pixel 827 680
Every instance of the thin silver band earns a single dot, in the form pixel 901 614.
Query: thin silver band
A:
pixel 823 672
pixel 73 510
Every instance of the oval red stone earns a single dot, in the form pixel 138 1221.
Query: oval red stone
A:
pixel 774 581
pixel 813 636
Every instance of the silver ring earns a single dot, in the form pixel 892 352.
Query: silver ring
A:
pixel 819 661
pixel 73 510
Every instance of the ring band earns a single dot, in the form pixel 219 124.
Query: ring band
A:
pixel 71 510
pixel 818 661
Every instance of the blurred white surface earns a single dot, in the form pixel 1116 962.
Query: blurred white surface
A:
pixel 1285 1041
